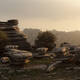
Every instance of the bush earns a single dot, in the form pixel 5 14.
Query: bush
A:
pixel 45 39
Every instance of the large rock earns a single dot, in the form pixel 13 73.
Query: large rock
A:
pixel 15 36
pixel 18 56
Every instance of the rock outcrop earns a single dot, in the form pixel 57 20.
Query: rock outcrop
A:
pixel 15 36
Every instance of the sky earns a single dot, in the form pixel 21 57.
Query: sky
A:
pixel 62 15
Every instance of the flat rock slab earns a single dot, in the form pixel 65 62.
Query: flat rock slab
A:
pixel 41 66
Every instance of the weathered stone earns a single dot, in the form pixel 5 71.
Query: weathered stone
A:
pixel 15 36
pixel 20 71
pixel 4 77
pixel 4 59
pixel 11 71
pixel 76 68
pixel 52 66
pixel 77 78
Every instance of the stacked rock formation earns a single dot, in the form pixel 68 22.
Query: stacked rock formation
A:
pixel 15 36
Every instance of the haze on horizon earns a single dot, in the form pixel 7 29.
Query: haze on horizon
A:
pixel 61 15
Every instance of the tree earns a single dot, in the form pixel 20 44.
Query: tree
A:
pixel 45 39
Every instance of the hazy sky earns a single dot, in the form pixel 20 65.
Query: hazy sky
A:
pixel 43 14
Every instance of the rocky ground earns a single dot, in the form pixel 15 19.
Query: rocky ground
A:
pixel 37 71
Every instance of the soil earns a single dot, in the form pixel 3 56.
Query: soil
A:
pixel 64 71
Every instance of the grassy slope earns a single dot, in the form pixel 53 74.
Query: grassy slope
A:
pixel 60 73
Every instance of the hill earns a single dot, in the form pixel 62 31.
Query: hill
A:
pixel 62 36
pixel 70 37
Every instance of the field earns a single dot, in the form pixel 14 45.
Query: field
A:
pixel 36 70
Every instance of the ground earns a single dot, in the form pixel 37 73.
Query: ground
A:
pixel 36 70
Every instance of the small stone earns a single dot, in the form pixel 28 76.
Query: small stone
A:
pixel 77 78
pixel 22 70
pixel 11 71
pixel 54 73
pixel 25 76
pixel 49 76
pixel 69 68
pixel 60 79
pixel 4 78
pixel 0 73
pixel 76 68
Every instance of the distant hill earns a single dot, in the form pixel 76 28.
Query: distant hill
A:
pixel 71 37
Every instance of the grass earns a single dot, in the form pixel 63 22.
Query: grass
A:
pixel 36 74
pixel 41 61
pixel 60 73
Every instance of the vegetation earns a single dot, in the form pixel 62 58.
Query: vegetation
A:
pixel 60 73
pixel 46 39
pixel 3 40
